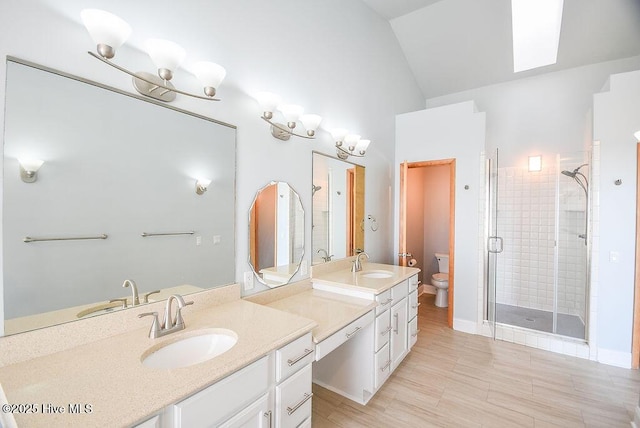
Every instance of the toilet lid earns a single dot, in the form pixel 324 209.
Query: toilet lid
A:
pixel 440 276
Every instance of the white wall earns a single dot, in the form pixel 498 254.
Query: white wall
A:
pixel 454 131
pixel 545 115
pixel 616 118
pixel 338 59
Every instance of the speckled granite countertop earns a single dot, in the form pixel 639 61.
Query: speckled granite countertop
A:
pixel 108 373
pixel 344 278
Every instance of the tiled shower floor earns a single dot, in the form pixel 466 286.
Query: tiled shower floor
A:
pixel 535 319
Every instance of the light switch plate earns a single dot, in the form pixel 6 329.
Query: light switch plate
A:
pixel 248 281
pixel 304 270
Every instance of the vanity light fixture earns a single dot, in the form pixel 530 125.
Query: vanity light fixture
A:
pixel 109 32
pixel 202 184
pixel 354 145
pixel 292 113
pixel 535 163
pixel 29 169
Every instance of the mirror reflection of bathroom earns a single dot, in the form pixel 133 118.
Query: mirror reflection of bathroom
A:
pixel 428 224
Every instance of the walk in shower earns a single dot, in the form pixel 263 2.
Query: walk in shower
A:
pixel 539 246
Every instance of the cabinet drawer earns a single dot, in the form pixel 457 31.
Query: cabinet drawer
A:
pixel 384 301
pixel 255 415
pixel 413 332
pixel 305 424
pixel 413 304
pixel 224 398
pixel 342 335
pixel 293 356
pixel 399 291
pixel 382 366
pixel 413 283
pixel 382 330
pixel 293 399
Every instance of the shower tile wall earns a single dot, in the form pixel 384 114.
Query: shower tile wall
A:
pixel 527 222
pixel 320 219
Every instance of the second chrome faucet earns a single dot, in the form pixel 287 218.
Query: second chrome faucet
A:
pixel 170 323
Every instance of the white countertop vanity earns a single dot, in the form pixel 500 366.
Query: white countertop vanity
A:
pixel 345 331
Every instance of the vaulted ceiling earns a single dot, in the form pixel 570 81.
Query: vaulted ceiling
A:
pixel 456 45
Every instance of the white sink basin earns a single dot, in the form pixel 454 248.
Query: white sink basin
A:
pixel 198 347
pixel 377 274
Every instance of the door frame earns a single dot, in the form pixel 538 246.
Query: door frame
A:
pixel 635 344
pixel 452 214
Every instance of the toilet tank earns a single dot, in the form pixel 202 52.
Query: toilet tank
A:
pixel 443 262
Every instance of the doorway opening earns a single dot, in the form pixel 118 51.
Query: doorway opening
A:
pixel 427 221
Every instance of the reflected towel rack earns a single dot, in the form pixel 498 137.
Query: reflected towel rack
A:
pixel 146 235
pixel 71 238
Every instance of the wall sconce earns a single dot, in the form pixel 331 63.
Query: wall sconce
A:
pixel 109 32
pixel 202 184
pixel 637 135
pixel 29 169
pixel 354 145
pixel 269 102
pixel 535 163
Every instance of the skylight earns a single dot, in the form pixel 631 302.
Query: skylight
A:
pixel 536 32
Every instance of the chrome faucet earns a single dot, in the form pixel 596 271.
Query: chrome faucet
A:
pixel 135 300
pixel 326 257
pixel 357 263
pixel 170 324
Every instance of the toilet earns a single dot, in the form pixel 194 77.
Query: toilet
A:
pixel 440 280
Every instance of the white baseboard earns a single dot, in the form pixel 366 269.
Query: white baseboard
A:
pixel 614 358
pixel 635 423
pixel 465 326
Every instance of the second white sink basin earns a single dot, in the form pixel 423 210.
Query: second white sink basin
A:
pixel 377 274
pixel 187 351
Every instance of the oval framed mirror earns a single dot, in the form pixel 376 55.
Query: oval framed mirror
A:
pixel 276 234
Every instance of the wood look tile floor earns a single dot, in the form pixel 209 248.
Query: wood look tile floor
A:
pixel 454 379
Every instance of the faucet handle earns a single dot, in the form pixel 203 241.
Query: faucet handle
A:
pixel 155 325
pixel 179 319
pixel 124 302
pixel 145 297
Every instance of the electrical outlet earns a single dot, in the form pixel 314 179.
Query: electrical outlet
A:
pixel 198 240
pixel 248 281
pixel 216 239
pixel 303 268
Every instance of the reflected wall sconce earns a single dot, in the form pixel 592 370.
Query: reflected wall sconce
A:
pixel 202 184
pixel 292 113
pixel 535 163
pixel 29 169
pixel 637 135
pixel 349 144
pixel 109 32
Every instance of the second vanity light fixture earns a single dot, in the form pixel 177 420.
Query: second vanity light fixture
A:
pixel 292 113
pixel 109 32
pixel 349 144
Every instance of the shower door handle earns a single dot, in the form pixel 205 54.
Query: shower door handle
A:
pixel 498 247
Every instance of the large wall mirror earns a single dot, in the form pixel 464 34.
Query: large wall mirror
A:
pixel 338 208
pixel 115 199
pixel 276 234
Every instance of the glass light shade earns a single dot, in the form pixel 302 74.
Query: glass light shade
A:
pixel 291 112
pixel 363 145
pixel 105 28
pixel 351 140
pixel 535 163
pixel 31 165
pixel 203 182
pixel 209 74
pixel 637 135
pixel 268 101
pixel 338 134
pixel 310 121
pixel 165 54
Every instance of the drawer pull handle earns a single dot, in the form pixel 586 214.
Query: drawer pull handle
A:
pixel 386 302
pixel 291 410
pixel 386 366
pixel 415 306
pixel 395 330
pixel 353 332
pixel 384 333
pixel 270 416
pixel 416 333
pixel 295 360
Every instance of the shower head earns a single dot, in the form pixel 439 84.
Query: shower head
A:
pixel 571 174
pixel 314 189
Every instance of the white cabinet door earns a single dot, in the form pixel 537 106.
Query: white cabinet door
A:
pixel 382 366
pixel 398 332
pixel 293 399
pixel 413 332
pixel 257 415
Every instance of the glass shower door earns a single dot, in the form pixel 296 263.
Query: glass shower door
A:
pixel 494 241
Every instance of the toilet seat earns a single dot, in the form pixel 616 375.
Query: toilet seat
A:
pixel 440 277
